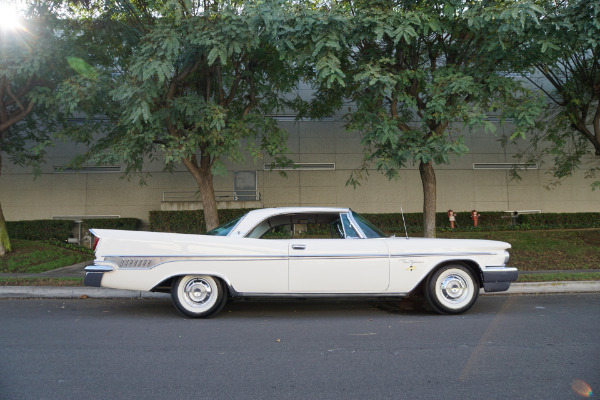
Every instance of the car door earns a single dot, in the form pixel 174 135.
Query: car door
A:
pixel 338 266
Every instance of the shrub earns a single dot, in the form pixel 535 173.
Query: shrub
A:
pixel 62 229
pixel 188 221
pixel 391 223
pixel 44 229
pixel 129 224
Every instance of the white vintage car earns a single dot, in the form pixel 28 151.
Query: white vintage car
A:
pixel 298 252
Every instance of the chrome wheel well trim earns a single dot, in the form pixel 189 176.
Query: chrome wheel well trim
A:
pixel 472 265
pixel 168 281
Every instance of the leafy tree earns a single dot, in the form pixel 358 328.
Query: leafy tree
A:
pixel 32 62
pixel 195 89
pixel 420 73
pixel 569 60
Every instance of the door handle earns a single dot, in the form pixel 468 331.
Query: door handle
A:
pixel 298 246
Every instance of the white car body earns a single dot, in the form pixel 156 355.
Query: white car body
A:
pixel 360 264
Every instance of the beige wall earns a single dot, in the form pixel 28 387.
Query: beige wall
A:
pixel 460 187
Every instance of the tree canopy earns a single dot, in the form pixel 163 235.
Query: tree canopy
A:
pixel 32 65
pixel 568 58
pixel 193 83
pixel 195 89
pixel 416 70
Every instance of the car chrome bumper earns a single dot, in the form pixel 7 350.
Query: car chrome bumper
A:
pixel 498 279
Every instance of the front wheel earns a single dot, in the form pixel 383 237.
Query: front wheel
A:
pixel 198 296
pixel 451 289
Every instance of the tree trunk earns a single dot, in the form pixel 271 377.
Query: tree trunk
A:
pixel 203 175
pixel 429 198
pixel 209 203
pixel 5 246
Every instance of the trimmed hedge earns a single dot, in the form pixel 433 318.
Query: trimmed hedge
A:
pixel 128 224
pixel 188 221
pixel 41 229
pixel 392 222
pixel 488 221
pixel 61 229
pixel 193 221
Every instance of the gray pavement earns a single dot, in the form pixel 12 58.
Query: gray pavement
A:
pixel 77 271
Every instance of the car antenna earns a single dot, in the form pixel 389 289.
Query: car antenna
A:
pixel 404 221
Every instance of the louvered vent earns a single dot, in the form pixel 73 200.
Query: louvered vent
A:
pixel 504 166
pixel 87 169
pixel 303 167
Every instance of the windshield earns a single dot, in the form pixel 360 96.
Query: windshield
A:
pixel 224 229
pixel 370 230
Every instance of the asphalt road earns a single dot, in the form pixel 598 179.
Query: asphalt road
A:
pixel 531 347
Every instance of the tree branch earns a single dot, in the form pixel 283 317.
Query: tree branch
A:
pixel 16 118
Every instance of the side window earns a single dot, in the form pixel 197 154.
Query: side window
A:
pixel 278 232
pixel 348 228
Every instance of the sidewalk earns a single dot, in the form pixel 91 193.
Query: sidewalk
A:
pixel 76 271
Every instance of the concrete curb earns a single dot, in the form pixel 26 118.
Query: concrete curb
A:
pixel 32 292
pixel 554 287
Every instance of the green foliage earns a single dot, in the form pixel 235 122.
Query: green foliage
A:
pixel 32 65
pixel 413 70
pixel 177 221
pixel 419 68
pixel 194 87
pixel 391 223
pixel 61 230
pixel 567 136
pixel 197 84
pixel 564 276
pixel 41 282
pixel 35 257
pixel 129 224
pixel 40 229
pixel 69 246
pixel 187 221
pixel 545 250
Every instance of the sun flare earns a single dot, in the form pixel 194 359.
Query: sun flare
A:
pixel 9 19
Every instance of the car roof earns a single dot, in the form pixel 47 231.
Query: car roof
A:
pixel 254 217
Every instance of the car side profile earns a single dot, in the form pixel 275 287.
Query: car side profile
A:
pixel 298 252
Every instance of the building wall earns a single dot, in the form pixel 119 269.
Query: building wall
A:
pixel 459 186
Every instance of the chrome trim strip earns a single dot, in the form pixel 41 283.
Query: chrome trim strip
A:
pixel 441 254
pixel 99 268
pixel 199 256
pixel 117 261
pixel 341 257
pixel 350 295
pixel 499 269
pixel 150 262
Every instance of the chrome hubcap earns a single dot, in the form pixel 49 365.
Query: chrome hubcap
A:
pixel 197 292
pixel 454 288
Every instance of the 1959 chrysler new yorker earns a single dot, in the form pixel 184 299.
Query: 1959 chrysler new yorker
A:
pixel 267 252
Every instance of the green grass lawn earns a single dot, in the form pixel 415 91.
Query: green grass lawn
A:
pixel 546 250
pixel 569 250
pixel 34 257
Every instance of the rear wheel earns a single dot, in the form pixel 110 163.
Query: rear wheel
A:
pixel 451 289
pixel 198 296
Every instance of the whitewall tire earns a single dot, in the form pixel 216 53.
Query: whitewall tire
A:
pixel 451 289
pixel 198 296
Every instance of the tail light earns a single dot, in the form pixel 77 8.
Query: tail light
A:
pixel 96 240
